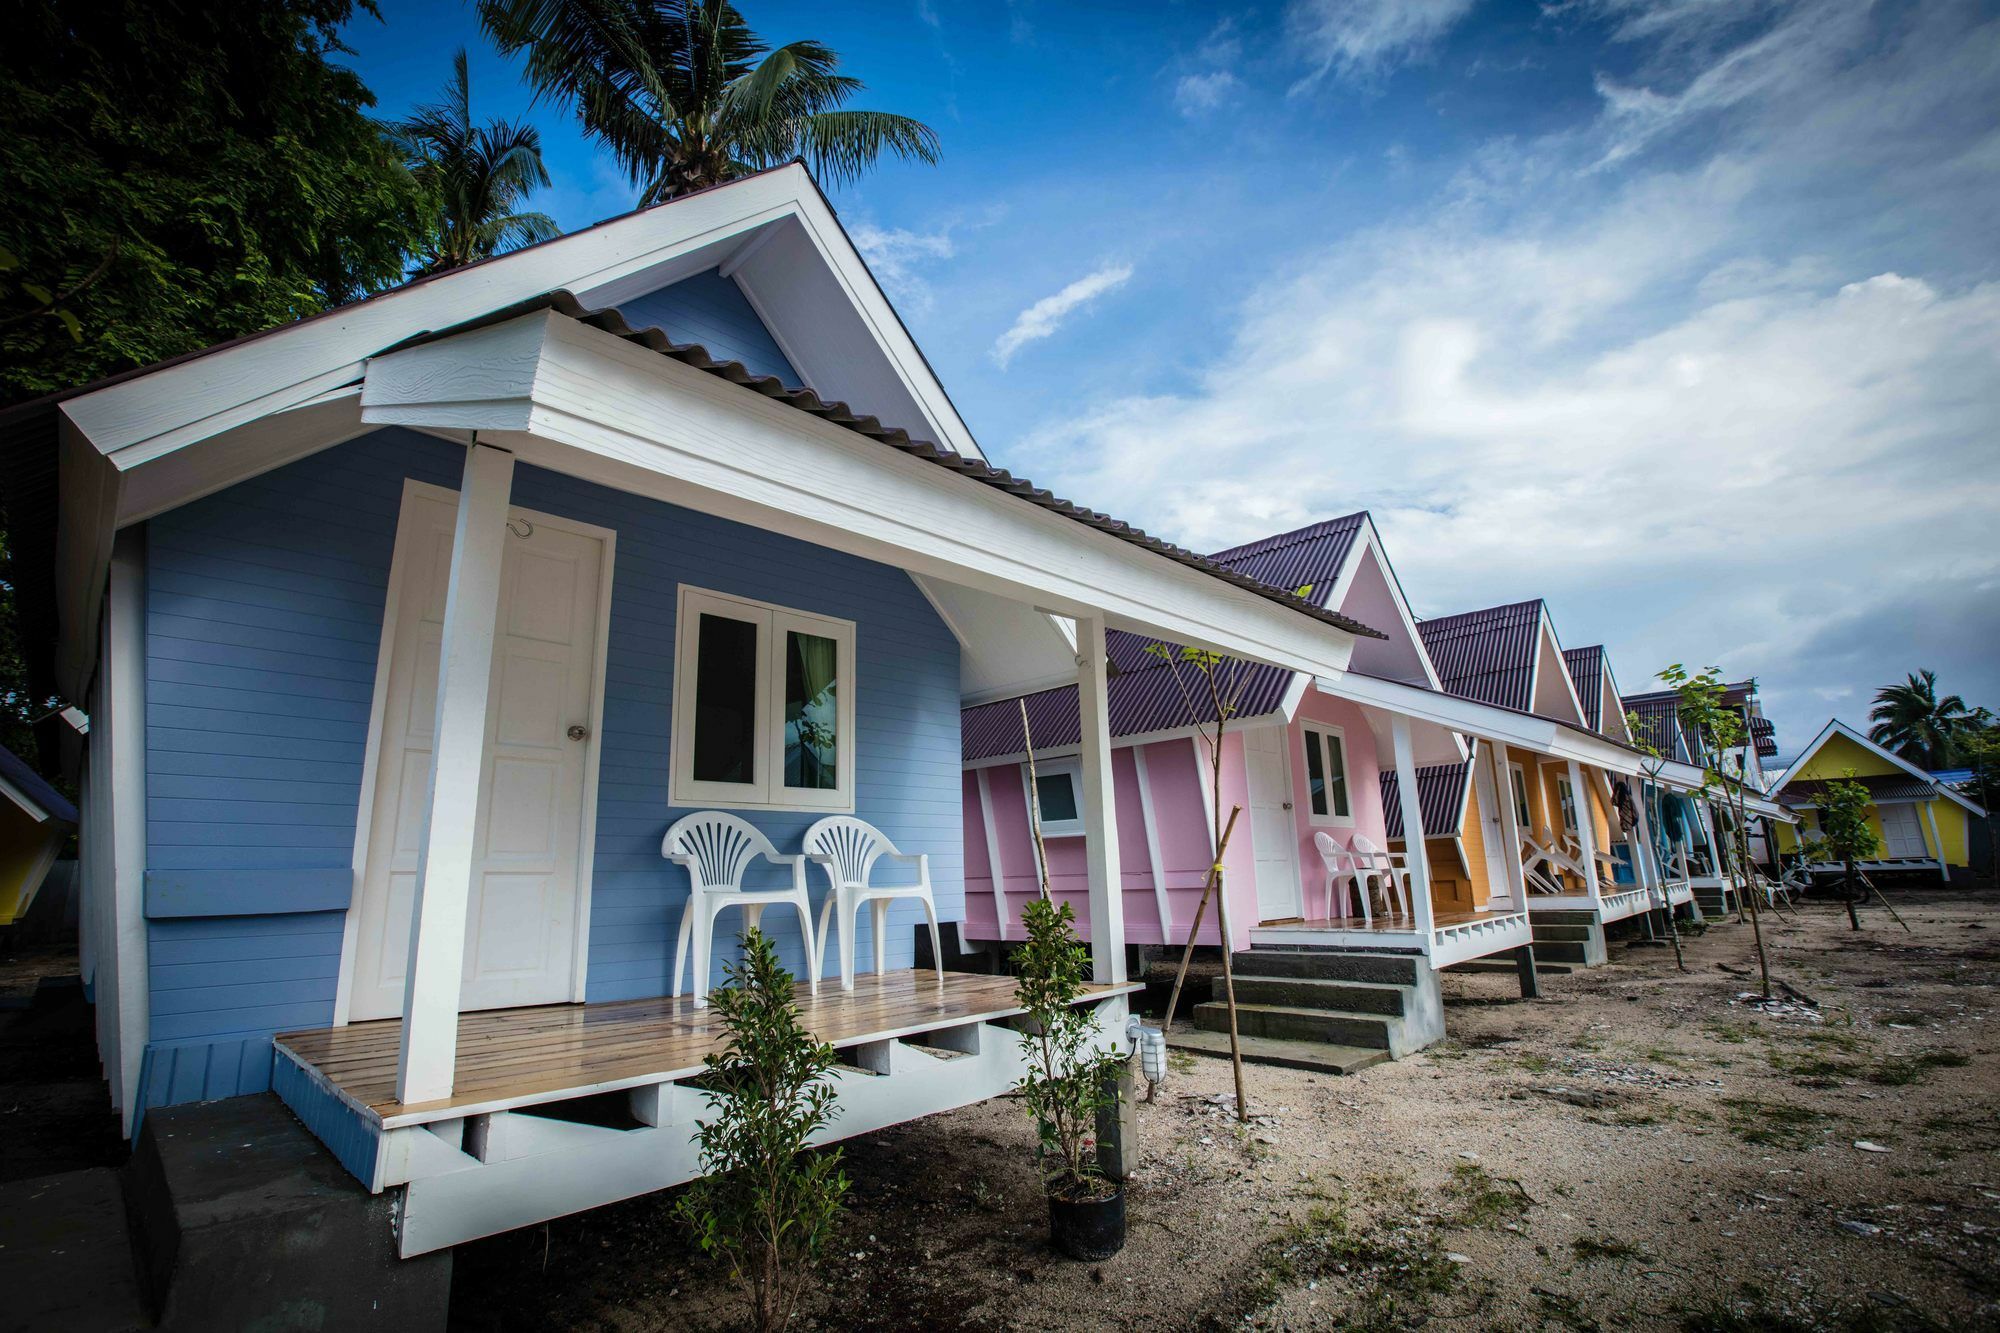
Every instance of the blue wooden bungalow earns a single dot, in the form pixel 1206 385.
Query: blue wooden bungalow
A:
pixel 408 630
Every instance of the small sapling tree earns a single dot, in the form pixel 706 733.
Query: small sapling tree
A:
pixel 1068 1076
pixel 766 1205
pixel 1846 835
pixel 1718 730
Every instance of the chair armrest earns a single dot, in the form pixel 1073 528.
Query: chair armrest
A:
pixel 913 858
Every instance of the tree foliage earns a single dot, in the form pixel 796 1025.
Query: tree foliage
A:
pixel 1917 725
pixel 1845 833
pixel 766 1204
pixel 1068 1079
pixel 180 174
pixel 475 178
pixel 685 95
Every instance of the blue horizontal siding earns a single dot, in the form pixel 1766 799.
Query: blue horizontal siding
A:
pixel 711 310
pixel 196 893
pixel 264 618
pixel 352 1138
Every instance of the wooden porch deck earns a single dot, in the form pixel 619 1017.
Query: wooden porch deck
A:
pixel 509 1058
pixel 1384 923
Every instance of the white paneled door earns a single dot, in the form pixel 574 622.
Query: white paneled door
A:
pixel 1273 834
pixel 522 916
pixel 1902 831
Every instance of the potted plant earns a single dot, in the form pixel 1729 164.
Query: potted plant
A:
pixel 1070 1077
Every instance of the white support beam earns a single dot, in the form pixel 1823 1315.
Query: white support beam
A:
pixel 1937 843
pixel 444 862
pixel 1494 755
pixel 1100 807
pixel 1586 828
pixel 1415 844
pixel 118 747
pixel 1644 857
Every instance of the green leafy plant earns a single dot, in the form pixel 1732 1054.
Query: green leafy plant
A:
pixel 1718 731
pixel 1069 1077
pixel 766 1204
pixel 1845 834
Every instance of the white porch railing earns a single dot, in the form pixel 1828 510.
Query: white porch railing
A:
pixel 1462 941
pixel 1628 902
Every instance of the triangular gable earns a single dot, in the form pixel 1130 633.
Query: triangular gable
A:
pixel 1796 771
pixel 772 235
pixel 1597 690
pixel 1507 656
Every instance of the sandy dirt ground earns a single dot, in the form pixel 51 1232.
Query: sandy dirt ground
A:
pixel 1641 1148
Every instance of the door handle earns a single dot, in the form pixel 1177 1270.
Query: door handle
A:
pixel 1288 805
pixel 578 733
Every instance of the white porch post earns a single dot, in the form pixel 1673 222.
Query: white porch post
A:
pixel 1937 843
pixel 1415 845
pixel 444 862
pixel 1100 810
pixel 1510 824
pixel 1644 859
pixel 1586 828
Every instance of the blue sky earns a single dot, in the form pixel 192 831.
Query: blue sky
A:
pixel 1683 314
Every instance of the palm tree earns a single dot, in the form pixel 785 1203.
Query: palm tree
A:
pixel 475 178
pixel 685 95
pixel 1911 720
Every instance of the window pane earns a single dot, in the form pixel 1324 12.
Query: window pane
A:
pixel 1058 795
pixel 1315 773
pixel 811 712
pixel 725 700
pixel 1520 797
pixel 1336 763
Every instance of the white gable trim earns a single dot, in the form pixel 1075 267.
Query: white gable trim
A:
pixel 1546 642
pixel 1835 726
pixel 1371 542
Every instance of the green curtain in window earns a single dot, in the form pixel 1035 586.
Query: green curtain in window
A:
pixel 811 667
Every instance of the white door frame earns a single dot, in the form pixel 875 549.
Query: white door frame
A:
pixel 1295 887
pixel 414 492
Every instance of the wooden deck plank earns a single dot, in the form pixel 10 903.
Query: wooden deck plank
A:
pixel 522 1056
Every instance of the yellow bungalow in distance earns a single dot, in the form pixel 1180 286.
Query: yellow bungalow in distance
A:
pixel 1922 823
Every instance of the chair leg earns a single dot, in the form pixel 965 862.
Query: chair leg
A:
pixel 937 941
pixel 819 941
pixel 848 909
pixel 681 947
pixel 806 928
pixel 878 911
pixel 704 936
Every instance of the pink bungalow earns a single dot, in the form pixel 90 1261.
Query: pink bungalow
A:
pixel 1313 893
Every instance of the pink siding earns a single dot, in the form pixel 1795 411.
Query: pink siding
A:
pixel 1180 824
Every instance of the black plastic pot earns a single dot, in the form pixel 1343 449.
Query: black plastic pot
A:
pixel 1087 1229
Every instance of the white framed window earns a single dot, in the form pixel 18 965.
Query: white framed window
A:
pixel 763 706
pixel 1566 795
pixel 1521 809
pixel 1059 786
pixel 1327 797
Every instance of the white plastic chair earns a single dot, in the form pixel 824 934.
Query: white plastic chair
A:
pixel 1340 866
pixel 716 849
pixel 847 849
pixel 1391 868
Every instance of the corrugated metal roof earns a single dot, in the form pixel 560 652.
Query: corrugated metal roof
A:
pixel 1144 697
pixel 1882 787
pixel 1311 556
pixel 1586 672
pixel 1659 724
pixel 1143 700
pixel 30 784
pixel 1487 656
pixel 1440 796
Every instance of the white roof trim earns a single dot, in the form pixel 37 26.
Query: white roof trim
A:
pixel 1834 726
pixel 1527 730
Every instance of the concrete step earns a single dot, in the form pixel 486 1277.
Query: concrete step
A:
pixel 1312 1056
pixel 1564 916
pixel 1289 1023
pixel 65 1258
pixel 1506 966
pixel 1387 969
pixel 1553 931
pixel 1361 997
pixel 1560 951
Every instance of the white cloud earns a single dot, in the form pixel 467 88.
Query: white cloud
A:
pixel 1197 94
pixel 1045 316
pixel 1362 38
pixel 1736 409
pixel 897 257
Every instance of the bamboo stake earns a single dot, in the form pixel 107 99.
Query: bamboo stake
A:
pixel 1229 992
pixel 1863 876
pixel 1194 931
pixel 1034 806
